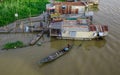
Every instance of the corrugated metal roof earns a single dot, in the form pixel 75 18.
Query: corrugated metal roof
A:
pixel 72 25
pixel 75 22
pixel 56 25
pixel 69 22
pixel 76 28
pixel 69 25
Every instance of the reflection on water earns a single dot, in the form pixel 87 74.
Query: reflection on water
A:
pixel 91 58
pixel 94 8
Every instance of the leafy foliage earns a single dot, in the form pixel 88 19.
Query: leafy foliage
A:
pixel 11 45
pixel 24 8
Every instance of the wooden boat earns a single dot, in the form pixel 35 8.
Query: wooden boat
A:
pixel 36 38
pixel 56 55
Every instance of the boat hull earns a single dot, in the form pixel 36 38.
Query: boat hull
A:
pixel 55 55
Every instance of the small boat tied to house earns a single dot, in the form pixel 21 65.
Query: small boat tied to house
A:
pixel 73 20
pixel 56 55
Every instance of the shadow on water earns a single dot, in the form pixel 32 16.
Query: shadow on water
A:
pixel 40 65
pixel 85 44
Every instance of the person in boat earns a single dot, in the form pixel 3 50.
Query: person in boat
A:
pixel 66 48
pixel 68 45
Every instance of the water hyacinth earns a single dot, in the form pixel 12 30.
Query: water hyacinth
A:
pixel 11 45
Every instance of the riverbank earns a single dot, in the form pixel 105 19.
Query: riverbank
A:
pixel 24 37
pixel 19 34
pixel 20 25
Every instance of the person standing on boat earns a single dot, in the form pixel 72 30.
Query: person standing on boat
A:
pixel 68 45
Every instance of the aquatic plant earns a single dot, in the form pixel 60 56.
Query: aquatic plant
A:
pixel 11 45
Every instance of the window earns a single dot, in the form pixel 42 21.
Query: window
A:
pixel 72 33
pixel 63 7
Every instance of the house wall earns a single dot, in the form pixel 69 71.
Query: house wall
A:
pixel 85 34
pixel 65 34
pixel 79 34
pixel 77 9
pixel 81 9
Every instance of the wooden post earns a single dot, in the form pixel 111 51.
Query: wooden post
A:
pixel 15 27
pixel 22 26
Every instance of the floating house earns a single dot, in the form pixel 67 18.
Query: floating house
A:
pixel 77 28
pixel 69 20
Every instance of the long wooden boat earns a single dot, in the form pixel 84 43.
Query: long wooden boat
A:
pixel 56 55
pixel 36 38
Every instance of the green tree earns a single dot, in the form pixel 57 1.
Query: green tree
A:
pixel 24 8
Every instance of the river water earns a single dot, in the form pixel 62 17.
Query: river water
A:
pixel 92 58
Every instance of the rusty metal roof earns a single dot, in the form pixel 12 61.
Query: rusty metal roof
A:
pixel 72 25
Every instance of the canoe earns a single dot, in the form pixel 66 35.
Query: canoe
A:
pixel 56 55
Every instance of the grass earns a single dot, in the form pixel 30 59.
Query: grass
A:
pixel 11 45
pixel 24 8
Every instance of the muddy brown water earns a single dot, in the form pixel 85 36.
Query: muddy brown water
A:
pixel 92 58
